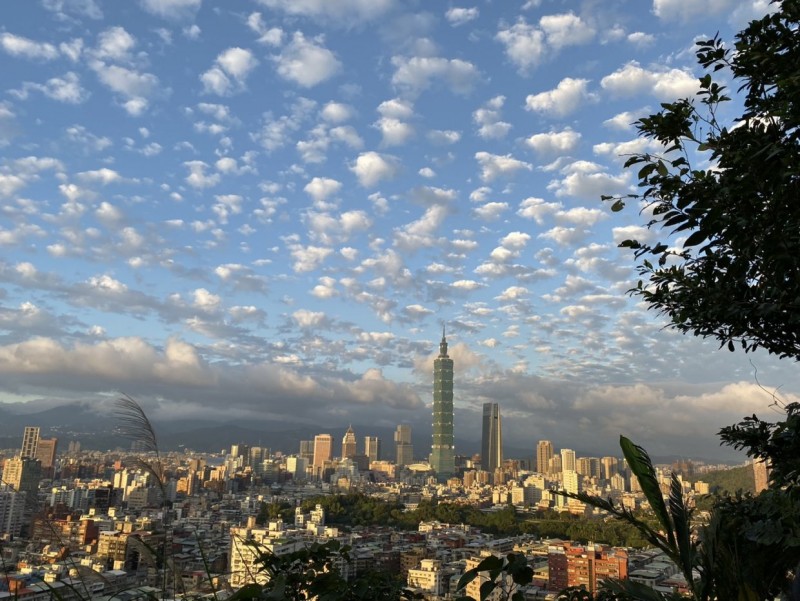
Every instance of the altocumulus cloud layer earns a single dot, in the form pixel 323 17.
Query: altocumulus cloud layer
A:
pixel 266 212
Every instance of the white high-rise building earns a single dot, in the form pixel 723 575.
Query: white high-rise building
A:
pixel 372 448
pixel 247 546
pixel 30 442
pixel 12 511
pixel 568 460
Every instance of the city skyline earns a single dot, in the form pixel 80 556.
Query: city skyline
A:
pixel 264 214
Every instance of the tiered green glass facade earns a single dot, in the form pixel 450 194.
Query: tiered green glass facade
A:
pixel 442 458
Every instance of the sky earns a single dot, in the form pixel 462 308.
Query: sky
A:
pixel 266 211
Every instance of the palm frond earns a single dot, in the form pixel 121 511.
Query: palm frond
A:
pixel 135 424
pixel 681 517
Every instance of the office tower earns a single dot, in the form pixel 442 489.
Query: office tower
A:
pixel 568 460
pixel 307 450
pixel 442 458
pixel 554 465
pixel 46 452
pixel 492 439
pixel 608 467
pixel 241 450
pixel 404 450
pixel 349 443
pixel 30 441
pixel 544 453
pixel 372 448
pixel 297 467
pixel 258 455
pixel 323 449
pixel 23 474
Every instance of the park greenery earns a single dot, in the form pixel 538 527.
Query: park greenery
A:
pixel 357 509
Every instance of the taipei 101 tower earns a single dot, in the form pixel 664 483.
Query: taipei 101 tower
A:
pixel 442 457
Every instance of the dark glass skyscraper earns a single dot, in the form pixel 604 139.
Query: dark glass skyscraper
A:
pixel 492 439
pixel 442 457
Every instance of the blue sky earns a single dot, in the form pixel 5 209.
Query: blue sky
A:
pixel 267 209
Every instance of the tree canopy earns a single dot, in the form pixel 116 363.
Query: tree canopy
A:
pixel 726 261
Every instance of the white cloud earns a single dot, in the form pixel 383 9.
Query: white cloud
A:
pixel 306 62
pixel 19 46
pixel 468 285
pixel 394 130
pixel 513 293
pixel 336 112
pixel 308 258
pixel 491 210
pixel 427 172
pixel 585 179
pixel 566 29
pixel 494 166
pixel 229 72
pixel 568 95
pixel 537 209
pixel 172 9
pixel 625 120
pixel 460 16
pixel 134 86
pixel 661 82
pixel 320 188
pixel 344 11
pixel 114 44
pixel 65 89
pixel 415 74
pixel 270 36
pixel 206 301
pixel 554 142
pixel 198 178
pixel 488 118
pixel 515 240
pixel 102 176
pixel 444 136
pixel 641 39
pixel 72 49
pixel 686 10
pixel 525 45
pixel 371 168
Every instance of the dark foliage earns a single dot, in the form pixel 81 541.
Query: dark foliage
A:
pixel 727 265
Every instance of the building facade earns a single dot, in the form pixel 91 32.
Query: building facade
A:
pixel 442 457
pixel 372 448
pixel 323 450
pixel 492 438
pixel 544 453
pixel 30 442
pixel 349 443
pixel 404 450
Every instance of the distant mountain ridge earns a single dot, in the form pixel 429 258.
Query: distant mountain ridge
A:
pixel 97 428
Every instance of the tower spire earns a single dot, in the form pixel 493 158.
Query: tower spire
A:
pixel 443 344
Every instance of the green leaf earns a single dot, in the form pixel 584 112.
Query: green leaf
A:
pixel 641 466
pixel 695 238
pixel 487 588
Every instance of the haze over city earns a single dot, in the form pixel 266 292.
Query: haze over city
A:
pixel 265 211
